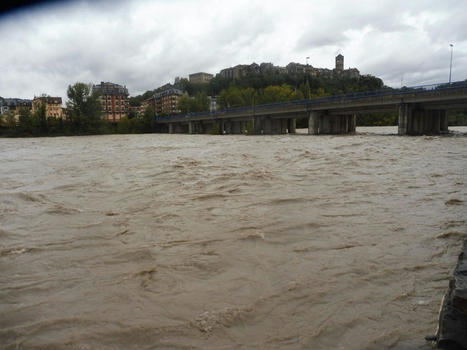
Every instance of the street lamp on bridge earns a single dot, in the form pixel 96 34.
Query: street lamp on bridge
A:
pixel 450 65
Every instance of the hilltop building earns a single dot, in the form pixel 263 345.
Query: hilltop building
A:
pixel 53 106
pixel 292 68
pixel 339 62
pixel 232 73
pixel 200 78
pixel 114 100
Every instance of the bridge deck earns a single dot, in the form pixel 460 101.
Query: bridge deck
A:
pixel 436 96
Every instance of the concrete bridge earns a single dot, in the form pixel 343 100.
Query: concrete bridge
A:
pixel 422 110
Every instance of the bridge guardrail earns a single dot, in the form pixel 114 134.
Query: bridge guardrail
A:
pixel 309 102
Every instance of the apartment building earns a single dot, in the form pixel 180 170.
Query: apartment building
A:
pixel 166 101
pixel 53 106
pixel 114 100
pixel 14 104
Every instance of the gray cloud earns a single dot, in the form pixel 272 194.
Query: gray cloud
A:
pixel 144 44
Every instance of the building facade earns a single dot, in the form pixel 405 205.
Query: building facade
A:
pixel 166 102
pixel 234 73
pixel 212 103
pixel 114 101
pixel 14 104
pixel 53 106
pixel 200 78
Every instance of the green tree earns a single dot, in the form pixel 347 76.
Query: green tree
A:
pixel 149 120
pixel 231 97
pixel 185 104
pixel 11 122
pixel 39 121
pixel 273 94
pixel 55 125
pixel 25 121
pixel 198 103
pixel 249 96
pixel 130 126
pixel 201 102
pixel 84 109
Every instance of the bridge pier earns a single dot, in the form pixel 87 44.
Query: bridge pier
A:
pixel 228 127
pixel 236 127
pixel 243 127
pixel 320 123
pixel 176 128
pixel 221 125
pixel 267 126
pixel 258 125
pixel 292 126
pixel 276 126
pixel 353 123
pixel 200 128
pixel 284 126
pixel 416 121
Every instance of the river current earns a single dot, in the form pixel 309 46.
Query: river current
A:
pixel 228 242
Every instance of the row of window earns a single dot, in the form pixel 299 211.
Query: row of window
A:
pixel 116 110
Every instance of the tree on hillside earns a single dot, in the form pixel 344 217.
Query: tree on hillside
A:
pixel 273 94
pixel 198 103
pixel 231 97
pixel 84 108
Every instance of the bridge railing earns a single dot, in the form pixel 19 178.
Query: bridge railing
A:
pixel 310 102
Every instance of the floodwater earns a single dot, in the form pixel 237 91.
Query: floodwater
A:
pixel 228 242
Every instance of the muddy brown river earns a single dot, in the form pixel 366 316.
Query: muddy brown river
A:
pixel 228 242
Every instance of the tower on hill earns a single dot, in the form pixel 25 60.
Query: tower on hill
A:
pixel 339 62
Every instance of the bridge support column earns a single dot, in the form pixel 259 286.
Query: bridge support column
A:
pixel 221 125
pixel 267 126
pixel 191 127
pixel 180 128
pixel 344 124
pixel 259 125
pixel 274 126
pixel 203 128
pixel 284 125
pixel 416 121
pixel 236 127
pixel 334 124
pixel 352 123
pixel 314 123
pixel 320 123
pixel 443 122
pixel 243 127
pixel 171 128
pixel 292 126
pixel 405 114
pixel 228 127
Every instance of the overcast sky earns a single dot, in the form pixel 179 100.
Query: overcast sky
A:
pixel 145 44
